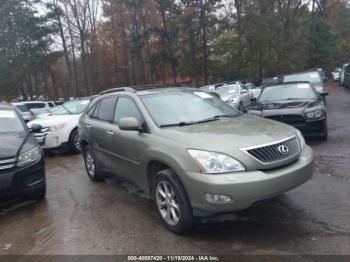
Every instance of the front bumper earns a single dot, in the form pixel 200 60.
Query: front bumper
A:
pixel 246 188
pixel 50 140
pixel 312 127
pixel 19 181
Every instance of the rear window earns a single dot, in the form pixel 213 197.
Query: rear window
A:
pixel 35 105
pixel 22 108
pixel 10 122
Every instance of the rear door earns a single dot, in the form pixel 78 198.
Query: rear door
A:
pixel 98 125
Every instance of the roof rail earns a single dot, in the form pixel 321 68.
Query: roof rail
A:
pixel 140 88
pixel 118 89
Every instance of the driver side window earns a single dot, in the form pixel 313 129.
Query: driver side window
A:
pixel 126 108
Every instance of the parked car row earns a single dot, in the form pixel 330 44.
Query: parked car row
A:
pixel 190 151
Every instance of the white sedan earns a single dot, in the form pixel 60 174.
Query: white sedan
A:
pixel 60 127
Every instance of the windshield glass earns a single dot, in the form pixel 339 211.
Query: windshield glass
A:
pixel 185 107
pixel 313 77
pixel 71 108
pixel 9 122
pixel 228 90
pixel 287 92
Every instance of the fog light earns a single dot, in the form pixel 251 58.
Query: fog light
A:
pixel 217 198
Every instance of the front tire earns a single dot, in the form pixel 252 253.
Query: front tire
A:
pixel 172 202
pixel 73 142
pixel 91 165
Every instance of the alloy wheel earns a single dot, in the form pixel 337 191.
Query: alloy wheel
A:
pixel 167 203
pixel 76 142
pixel 90 164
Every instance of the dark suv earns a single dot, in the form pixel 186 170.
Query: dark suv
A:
pixel 22 166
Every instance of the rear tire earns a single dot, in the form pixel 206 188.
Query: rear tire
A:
pixel 73 142
pixel 172 203
pixel 91 165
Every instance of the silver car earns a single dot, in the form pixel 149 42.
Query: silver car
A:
pixel 237 95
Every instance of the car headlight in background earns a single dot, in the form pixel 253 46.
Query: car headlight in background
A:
pixel 29 157
pixel 315 114
pixel 57 127
pixel 213 163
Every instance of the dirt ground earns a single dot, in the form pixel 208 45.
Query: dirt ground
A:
pixel 81 217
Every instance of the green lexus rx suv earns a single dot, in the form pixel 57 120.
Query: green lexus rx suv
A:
pixel 191 153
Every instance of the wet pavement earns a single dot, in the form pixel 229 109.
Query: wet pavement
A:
pixel 81 217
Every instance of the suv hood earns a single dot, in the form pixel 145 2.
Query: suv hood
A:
pixel 11 143
pixel 50 120
pixel 229 134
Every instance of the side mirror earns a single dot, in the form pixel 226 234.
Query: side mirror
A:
pixel 253 100
pixel 129 124
pixel 244 91
pixel 36 128
pixel 324 94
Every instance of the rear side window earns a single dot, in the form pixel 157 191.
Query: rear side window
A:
pixel 126 108
pixel 35 105
pixel 106 109
pixel 51 104
pixel 22 108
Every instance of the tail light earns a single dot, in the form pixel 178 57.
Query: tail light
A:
pixel 31 113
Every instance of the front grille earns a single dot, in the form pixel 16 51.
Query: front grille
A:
pixel 288 119
pixel 272 153
pixel 7 163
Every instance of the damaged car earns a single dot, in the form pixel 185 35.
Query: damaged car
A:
pixel 297 104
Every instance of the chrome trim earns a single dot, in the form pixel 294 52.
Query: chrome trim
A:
pixel 12 160
pixel 7 167
pixel 246 149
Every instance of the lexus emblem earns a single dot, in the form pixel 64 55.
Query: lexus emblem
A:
pixel 283 149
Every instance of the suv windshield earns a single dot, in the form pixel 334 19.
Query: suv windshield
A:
pixel 181 108
pixel 71 108
pixel 287 92
pixel 9 122
pixel 312 77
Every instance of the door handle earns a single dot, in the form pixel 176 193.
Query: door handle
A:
pixel 88 126
pixel 111 133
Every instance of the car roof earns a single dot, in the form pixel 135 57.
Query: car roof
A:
pixel 33 102
pixel 166 90
pixel 288 83
pixel 303 72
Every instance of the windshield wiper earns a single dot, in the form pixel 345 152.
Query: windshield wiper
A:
pixel 191 122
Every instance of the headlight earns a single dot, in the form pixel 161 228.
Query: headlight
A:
pixel 315 114
pixel 319 89
pixel 57 127
pixel 213 163
pixel 301 140
pixel 28 157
